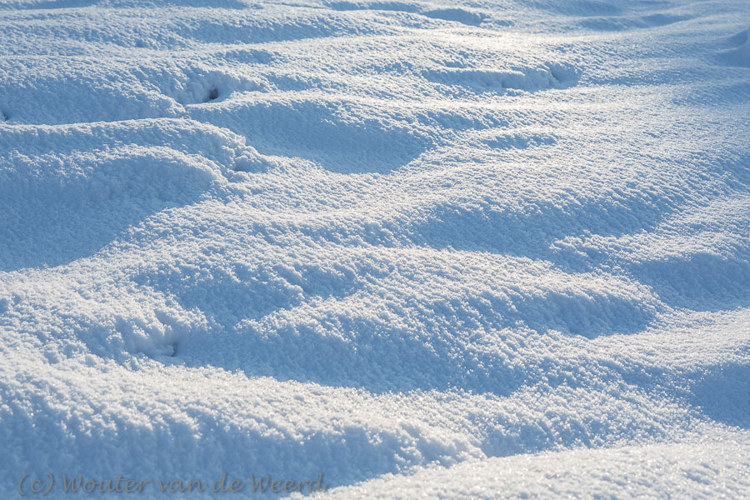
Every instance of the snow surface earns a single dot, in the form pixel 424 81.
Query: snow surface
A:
pixel 474 249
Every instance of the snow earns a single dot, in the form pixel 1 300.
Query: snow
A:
pixel 686 470
pixel 474 249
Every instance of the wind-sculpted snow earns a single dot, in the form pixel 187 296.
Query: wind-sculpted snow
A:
pixel 451 250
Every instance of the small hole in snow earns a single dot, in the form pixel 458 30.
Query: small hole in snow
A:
pixel 213 94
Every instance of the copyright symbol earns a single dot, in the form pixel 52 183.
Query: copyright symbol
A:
pixel 36 486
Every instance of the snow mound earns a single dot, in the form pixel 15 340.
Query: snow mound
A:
pixel 690 470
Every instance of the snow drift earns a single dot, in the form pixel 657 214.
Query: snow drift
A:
pixel 454 250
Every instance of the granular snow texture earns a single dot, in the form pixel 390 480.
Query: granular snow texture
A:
pixel 477 249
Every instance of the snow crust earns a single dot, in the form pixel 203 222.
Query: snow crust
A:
pixel 474 249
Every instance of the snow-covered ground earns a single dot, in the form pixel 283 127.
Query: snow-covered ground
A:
pixel 468 249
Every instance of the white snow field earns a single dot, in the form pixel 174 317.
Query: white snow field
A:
pixel 385 249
